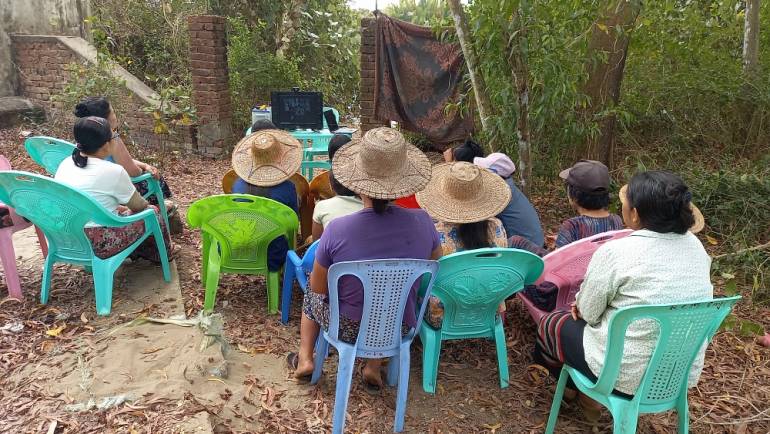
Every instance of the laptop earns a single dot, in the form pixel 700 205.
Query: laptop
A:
pixel 331 122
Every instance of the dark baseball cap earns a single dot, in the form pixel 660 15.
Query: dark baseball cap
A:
pixel 588 176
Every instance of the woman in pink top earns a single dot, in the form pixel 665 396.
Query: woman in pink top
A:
pixel 380 167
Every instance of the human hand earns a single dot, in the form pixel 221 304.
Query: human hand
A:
pixel 122 210
pixel 574 311
pixel 449 155
pixel 151 169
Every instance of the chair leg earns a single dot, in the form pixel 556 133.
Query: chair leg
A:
pixel 624 419
pixel 683 413
pixel 403 387
pixel 212 283
pixel 45 286
pixel 41 240
pixel 557 397
pixel 162 252
pixel 8 257
pixel 344 377
pixel 289 271
pixel 391 379
pixel 103 281
pixel 502 354
pixel 273 283
pixel 321 351
pixel 431 353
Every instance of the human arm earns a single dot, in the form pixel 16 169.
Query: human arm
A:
pixel 122 157
pixel 599 287
pixel 318 279
pixel 144 167
pixel 317 231
pixel 125 192
pixel 566 234
pixel 136 203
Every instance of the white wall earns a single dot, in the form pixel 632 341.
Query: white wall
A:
pixel 36 17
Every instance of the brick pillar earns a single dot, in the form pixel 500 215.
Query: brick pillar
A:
pixel 211 91
pixel 368 26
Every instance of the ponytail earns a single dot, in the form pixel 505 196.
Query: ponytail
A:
pixel 79 159
pixel 380 205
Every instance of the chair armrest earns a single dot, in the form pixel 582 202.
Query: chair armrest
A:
pixel 143 215
pixel 143 177
pixel 292 257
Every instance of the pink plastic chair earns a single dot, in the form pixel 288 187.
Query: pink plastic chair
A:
pixel 566 267
pixel 7 253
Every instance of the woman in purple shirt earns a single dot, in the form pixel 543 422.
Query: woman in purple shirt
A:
pixel 380 167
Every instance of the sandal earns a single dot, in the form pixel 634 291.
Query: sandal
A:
pixel 292 360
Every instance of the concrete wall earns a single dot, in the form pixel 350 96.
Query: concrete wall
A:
pixel 36 17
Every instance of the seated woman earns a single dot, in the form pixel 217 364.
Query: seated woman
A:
pixel 379 167
pixel 264 161
pixel 662 262
pixel 463 199
pixel 345 202
pixel 99 106
pixel 110 185
pixel 588 192
pixel 519 216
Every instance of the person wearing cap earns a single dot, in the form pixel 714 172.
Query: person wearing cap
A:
pixel 345 202
pixel 464 199
pixel 588 192
pixel 379 167
pixel 661 262
pixel 519 217
pixel 264 161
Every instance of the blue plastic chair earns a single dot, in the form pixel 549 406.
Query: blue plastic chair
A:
pixel 62 213
pixel 49 152
pixel 684 328
pixel 387 284
pixel 471 285
pixel 295 268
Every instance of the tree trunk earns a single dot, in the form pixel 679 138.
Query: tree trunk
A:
pixel 288 26
pixel 607 50
pixel 517 60
pixel 483 103
pixel 751 39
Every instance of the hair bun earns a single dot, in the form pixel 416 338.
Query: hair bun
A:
pixel 81 110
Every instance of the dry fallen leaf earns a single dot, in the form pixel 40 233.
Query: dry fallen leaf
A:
pixel 83 318
pixel 55 332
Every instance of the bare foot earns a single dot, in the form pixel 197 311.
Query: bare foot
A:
pixel 371 373
pixel 592 410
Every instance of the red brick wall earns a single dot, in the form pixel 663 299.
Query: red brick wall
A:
pixel 210 80
pixel 41 62
pixel 368 121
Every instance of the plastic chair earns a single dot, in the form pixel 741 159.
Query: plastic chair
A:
pixel 49 152
pixel 387 284
pixel 62 213
pixel 298 269
pixel 684 328
pixel 566 267
pixel 236 230
pixel 471 285
pixel 7 252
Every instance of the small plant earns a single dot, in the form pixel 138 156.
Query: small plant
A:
pixel 172 109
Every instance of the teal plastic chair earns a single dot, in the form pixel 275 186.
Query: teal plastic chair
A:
pixel 471 285
pixel 684 328
pixel 236 230
pixel 49 152
pixel 62 213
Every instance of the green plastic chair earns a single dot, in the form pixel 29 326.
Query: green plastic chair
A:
pixel 471 285
pixel 62 213
pixel 236 230
pixel 684 328
pixel 49 152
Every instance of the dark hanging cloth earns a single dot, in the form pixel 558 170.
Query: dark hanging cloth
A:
pixel 416 76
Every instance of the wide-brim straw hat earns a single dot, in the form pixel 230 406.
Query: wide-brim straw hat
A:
pixel 267 157
pixel 464 193
pixel 381 165
pixel 696 227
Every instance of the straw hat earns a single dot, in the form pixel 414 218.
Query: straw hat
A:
pixel 267 157
pixel 464 193
pixel 696 227
pixel 381 165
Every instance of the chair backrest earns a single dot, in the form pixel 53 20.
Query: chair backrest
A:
pixel 471 284
pixel 48 152
pixel 387 284
pixel 58 209
pixel 243 225
pixel 309 258
pixel 320 187
pixel 683 329
pixel 566 267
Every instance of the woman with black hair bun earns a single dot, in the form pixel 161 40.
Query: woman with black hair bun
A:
pixel 661 262
pixel 108 184
pixel 99 106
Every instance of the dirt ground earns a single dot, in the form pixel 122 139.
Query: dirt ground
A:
pixel 733 395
